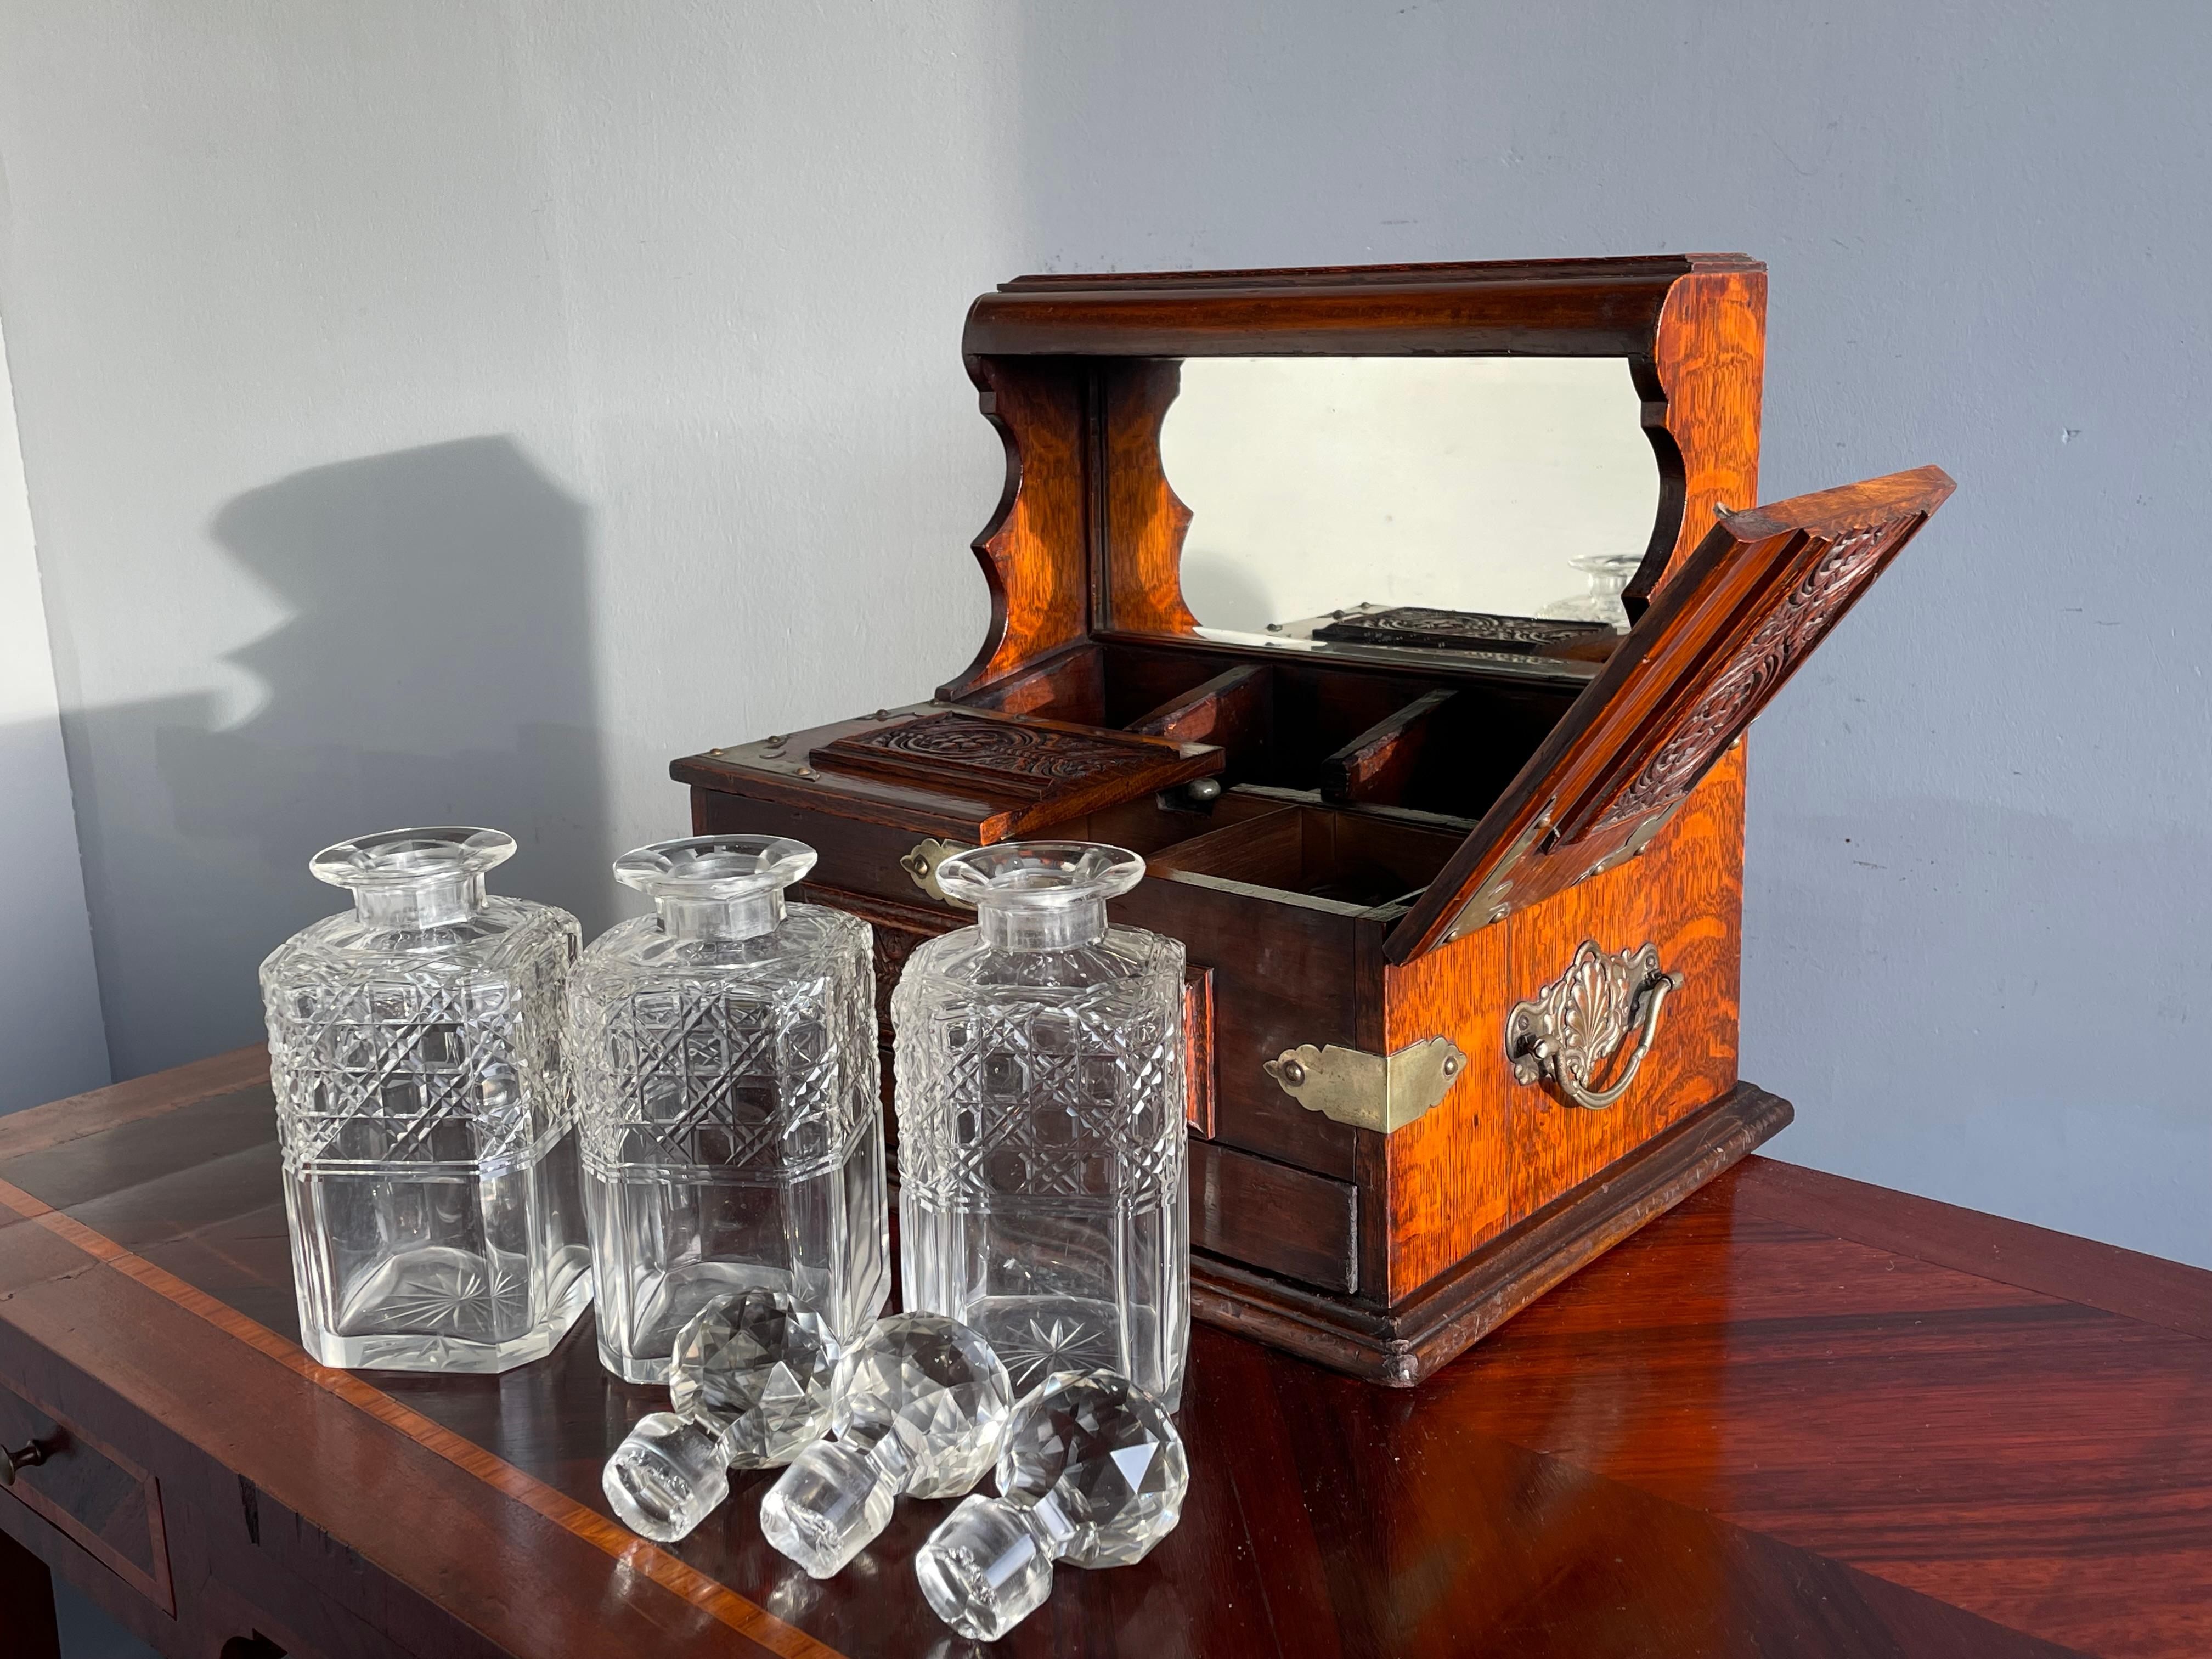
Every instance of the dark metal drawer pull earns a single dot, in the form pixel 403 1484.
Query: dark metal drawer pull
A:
pixel 28 1457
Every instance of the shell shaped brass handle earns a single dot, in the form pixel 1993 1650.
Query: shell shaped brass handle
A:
pixel 23 1457
pixel 1571 1027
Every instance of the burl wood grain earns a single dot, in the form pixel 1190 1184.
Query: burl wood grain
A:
pixel 1701 385
pixel 1036 550
pixel 1145 520
pixel 1494 1150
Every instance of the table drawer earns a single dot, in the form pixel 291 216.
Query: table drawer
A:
pixel 98 1497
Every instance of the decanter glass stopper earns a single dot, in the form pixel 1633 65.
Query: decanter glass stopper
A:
pixel 750 1381
pixel 723 887
pixel 1040 895
pixel 407 880
pixel 921 1406
pixel 1091 1471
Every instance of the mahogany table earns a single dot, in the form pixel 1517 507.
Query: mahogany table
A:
pixel 1798 1415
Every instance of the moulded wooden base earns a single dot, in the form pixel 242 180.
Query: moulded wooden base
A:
pixel 1401 1346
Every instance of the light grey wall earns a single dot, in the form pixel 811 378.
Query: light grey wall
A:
pixel 459 409
pixel 452 413
pixel 52 1040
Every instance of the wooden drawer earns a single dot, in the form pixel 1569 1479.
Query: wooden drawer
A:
pixel 101 1500
pixel 1271 1216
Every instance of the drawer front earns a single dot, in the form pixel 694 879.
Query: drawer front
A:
pixel 91 1491
pixel 1275 1217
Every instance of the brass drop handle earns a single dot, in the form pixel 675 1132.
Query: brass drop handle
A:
pixel 26 1457
pixel 1567 1030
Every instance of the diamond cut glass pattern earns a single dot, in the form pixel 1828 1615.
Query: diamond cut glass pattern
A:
pixel 1039 1063
pixel 758 1371
pixel 1091 1471
pixel 724 1050
pixel 423 1116
pixel 920 1404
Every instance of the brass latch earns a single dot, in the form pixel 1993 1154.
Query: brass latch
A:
pixel 921 866
pixel 1369 1091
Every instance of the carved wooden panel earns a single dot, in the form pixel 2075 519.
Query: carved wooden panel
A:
pixel 1040 771
pixel 1432 629
pixel 1763 588
pixel 1791 629
pixel 1013 757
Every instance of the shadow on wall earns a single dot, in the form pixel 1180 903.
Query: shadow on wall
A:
pixel 436 669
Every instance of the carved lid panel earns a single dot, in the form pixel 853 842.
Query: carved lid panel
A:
pixel 973 775
pixel 1762 590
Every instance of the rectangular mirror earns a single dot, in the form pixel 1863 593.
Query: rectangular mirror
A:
pixel 1438 502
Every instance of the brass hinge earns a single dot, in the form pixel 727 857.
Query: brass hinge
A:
pixel 1369 1091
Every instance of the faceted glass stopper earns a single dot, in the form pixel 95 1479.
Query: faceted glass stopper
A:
pixel 751 1382
pixel 667 1476
pixel 1091 1471
pixel 759 1370
pixel 921 1406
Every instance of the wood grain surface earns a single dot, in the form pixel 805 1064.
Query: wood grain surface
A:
pixel 1797 1415
pixel 1496 1149
pixel 1730 627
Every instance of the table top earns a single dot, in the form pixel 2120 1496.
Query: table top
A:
pixel 1797 1414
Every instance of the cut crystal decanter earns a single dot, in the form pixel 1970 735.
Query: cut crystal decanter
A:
pixel 429 1156
pixel 1607 573
pixel 750 1381
pixel 1040 1062
pixel 1091 1471
pixel 920 1404
pixel 724 1050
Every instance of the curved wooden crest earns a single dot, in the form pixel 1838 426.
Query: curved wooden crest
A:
pixel 1077 372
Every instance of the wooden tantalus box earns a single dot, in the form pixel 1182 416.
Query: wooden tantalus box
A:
pixel 1460 889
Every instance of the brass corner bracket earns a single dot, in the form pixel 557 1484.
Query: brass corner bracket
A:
pixel 1369 1091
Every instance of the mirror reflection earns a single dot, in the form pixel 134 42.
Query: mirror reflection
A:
pixel 1418 500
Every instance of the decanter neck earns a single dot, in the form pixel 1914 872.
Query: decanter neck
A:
pixel 1016 925
pixel 721 920
pixel 413 907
